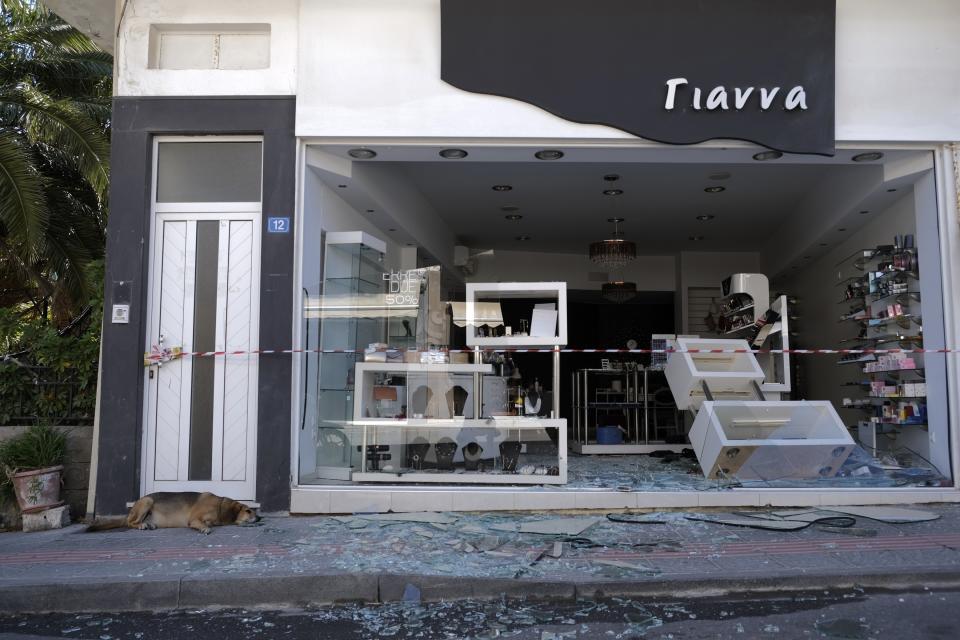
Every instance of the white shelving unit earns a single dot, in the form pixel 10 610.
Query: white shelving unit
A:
pixel 555 292
pixel 391 436
pixel 887 280
pixel 373 429
pixel 496 291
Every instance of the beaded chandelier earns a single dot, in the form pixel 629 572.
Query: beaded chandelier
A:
pixel 619 291
pixel 614 252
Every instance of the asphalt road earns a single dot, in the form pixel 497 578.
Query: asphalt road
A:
pixel 844 615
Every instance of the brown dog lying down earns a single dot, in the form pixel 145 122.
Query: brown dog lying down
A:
pixel 199 511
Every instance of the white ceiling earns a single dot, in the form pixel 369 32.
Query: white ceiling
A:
pixel 564 208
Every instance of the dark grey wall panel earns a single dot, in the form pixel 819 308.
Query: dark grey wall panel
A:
pixel 135 122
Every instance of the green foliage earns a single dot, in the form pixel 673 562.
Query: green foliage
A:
pixel 40 446
pixel 55 98
pixel 50 375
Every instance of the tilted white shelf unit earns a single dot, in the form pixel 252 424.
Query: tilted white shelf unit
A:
pixel 748 437
pixel 770 440
pixel 395 433
pixel 730 375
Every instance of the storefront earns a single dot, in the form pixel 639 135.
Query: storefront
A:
pixel 448 255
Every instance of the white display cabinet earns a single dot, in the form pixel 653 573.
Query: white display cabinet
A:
pixel 539 293
pixel 694 377
pixel 415 423
pixel 489 434
pixel 773 440
pixel 547 321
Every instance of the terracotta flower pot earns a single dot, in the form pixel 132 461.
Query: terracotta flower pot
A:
pixel 38 489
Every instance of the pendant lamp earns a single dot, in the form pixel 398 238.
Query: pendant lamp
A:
pixel 614 252
pixel 618 291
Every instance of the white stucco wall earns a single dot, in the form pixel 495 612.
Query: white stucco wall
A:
pixel 134 78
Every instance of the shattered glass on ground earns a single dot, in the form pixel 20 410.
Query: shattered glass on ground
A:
pixel 851 614
pixel 674 472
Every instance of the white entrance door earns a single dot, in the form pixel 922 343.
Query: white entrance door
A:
pixel 201 411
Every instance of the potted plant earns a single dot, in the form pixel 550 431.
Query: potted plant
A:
pixel 32 463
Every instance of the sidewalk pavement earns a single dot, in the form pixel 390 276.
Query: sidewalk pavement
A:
pixel 300 561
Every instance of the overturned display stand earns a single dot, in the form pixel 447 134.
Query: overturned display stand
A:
pixel 744 436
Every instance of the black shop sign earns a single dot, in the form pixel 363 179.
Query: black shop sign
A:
pixel 673 71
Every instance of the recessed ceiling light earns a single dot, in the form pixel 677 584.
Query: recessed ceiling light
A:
pixel 370 211
pixel 391 230
pixel 869 156
pixel 767 155
pixel 695 238
pixel 410 244
pixel 890 190
pixel 549 154
pixel 705 218
pixel 523 238
pixel 842 229
pixel 362 154
pixel 611 177
pixel 715 189
pixel 864 212
pixel 341 186
pixel 453 154
pixel 513 217
pixel 502 187
pixel 720 175
pixel 613 192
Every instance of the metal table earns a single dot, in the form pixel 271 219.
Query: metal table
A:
pixel 633 401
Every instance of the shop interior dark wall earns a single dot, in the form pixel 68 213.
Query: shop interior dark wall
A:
pixel 595 323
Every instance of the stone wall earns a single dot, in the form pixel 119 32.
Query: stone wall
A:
pixel 76 473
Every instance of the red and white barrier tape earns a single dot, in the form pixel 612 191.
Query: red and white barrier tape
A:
pixel 157 357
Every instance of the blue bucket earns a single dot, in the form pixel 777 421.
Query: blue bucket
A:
pixel 609 435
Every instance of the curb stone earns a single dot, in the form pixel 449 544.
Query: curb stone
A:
pixel 132 594
pixel 263 591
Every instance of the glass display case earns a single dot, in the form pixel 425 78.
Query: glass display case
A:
pixel 351 315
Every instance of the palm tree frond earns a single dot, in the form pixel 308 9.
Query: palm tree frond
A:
pixel 58 123
pixel 23 209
